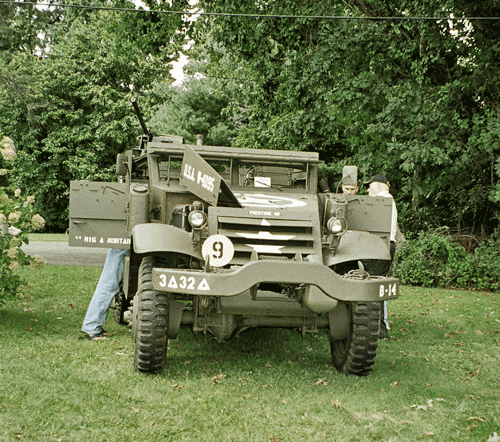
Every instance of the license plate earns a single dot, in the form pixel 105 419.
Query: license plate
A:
pixel 182 283
pixel 388 290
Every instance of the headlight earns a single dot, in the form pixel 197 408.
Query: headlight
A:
pixel 197 219
pixel 335 225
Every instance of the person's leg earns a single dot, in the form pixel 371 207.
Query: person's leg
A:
pixel 107 287
pixel 385 315
pixel 393 253
pixel 384 325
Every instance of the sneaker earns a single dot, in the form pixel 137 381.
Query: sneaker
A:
pixel 100 335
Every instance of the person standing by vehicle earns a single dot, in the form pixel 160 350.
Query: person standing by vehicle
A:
pixel 107 287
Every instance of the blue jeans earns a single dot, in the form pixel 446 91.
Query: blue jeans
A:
pixel 386 322
pixel 107 287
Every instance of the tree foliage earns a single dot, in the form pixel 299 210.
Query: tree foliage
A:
pixel 198 107
pixel 75 116
pixel 416 100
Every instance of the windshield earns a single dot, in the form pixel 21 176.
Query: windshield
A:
pixel 239 174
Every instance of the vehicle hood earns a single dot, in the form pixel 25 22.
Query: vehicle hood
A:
pixel 276 203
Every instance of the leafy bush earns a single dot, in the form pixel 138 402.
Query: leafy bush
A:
pixel 16 219
pixel 485 265
pixel 434 259
pixel 431 260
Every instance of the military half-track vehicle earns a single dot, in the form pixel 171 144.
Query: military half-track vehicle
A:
pixel 224 239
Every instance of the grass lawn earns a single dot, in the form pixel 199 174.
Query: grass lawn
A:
pixel 436 379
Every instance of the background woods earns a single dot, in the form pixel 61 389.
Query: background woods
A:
pixel 417 100
pixel 66 90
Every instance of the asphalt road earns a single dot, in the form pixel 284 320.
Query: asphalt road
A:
pixel 59 253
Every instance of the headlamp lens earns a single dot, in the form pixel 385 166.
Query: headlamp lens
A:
pixel 196 219
pixel 335 225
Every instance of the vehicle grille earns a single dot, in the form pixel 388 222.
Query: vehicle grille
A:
pixel 278 238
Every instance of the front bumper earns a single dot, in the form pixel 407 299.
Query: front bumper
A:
pixel 231 283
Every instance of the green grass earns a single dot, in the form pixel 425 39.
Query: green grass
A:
pixel 48 237
pixel 436 379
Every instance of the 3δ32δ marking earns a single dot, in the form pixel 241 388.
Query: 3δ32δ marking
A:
pixel 183 282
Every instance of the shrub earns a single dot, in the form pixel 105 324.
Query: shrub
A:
pixel 485 265
pixel 435 259
pixel 432 260
pixel 16 219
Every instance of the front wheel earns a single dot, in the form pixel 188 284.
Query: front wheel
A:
pixel 356 354
pixel 149 323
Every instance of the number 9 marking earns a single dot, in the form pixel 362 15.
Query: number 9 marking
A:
pixel 218 250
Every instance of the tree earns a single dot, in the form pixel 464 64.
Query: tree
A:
pixel 196 107
pixel 77 116
pixel 21 30
pixel 400 97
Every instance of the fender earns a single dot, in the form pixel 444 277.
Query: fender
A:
pixel 151 238
pixel 358 245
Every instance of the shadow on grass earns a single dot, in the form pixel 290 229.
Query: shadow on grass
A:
pixel 16 322
pixel 253 350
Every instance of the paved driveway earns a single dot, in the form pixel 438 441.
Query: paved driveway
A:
pixel 59 253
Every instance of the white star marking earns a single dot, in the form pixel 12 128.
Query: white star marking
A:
pixel 265 249
pixel 266 235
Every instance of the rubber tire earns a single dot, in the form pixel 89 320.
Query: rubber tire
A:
pixel 356 354
pixel 149 324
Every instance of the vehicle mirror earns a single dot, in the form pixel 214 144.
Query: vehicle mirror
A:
pixel 350 175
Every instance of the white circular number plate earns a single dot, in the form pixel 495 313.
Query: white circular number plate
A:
pixel 219 249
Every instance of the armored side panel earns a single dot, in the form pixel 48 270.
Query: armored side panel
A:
pixel 369 213
pixel 98 215
pixel 199 178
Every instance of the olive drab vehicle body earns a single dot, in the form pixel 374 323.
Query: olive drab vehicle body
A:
pixel 223 239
